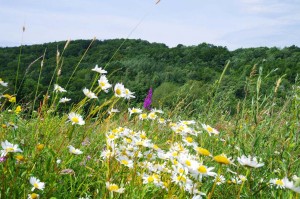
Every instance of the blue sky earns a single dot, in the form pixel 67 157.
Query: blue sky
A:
pixel 232 23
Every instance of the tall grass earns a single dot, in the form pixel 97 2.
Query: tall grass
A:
pixel 150 154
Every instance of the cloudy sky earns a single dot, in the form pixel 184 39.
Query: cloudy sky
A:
pixel 231 23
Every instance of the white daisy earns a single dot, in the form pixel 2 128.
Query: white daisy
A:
pixel 73 150
pixel 36 183
pixel 89 93
pixel 99 70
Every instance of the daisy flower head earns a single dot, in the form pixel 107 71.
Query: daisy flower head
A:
pixel 285 183
pixel 36 183
pixel 99 70
pixel 59 89
pixel 33 196
pixel 134 110
pixel 210 130
pixel 249 161
pixel 114 188
pixel 76 118
pixel 64 100
pixel 219 179
pixel 89 93
pixel 9 148
pixel 119 90
pixel 103 83
pixel 223 159
pixel 3 83
pixel 73 150
pixel 128 94
pixel 143 116
pixel 203 170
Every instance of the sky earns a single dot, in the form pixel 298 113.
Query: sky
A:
pixel 231 23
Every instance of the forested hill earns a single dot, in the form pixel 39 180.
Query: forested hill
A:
pixel 185 73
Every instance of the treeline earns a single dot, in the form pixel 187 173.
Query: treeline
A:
pixel 183 75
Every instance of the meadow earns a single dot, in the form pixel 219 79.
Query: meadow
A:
pixel 103 147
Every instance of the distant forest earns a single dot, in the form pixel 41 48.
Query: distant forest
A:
pixel 182 74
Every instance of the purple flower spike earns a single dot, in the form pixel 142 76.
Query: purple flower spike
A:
pixel 148 100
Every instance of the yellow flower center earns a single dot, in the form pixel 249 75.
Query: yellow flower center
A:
pixel 150 179
pixel 181 178
pixel 113 187
pixel 75 120
pixel 111 136
pixel 279 182
pixel 125 162
pixel 188 163
pixel 36 185
pixel 102 84
pixel 128 140
pixel 9 149
pixel 34 196
pixel 202 169
pixel 118 91
pixel 222 159
pixel 209 129
pixel 189 139
pixel 181 170
pixel 143 136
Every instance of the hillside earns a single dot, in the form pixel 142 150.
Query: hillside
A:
pixel 181 73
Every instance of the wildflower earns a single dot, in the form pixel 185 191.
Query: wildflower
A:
pixel 99 70
pixel 114 188
pixel 210 130
pixel 40 147
pixel 202 151
pixel 119 90
pixel 64 100
pixel 18 109
pixel 128 94
pixel 222 159
pixel 89 93
pixel 134 110
pixel 12 100
pixel 148 100
pixel 58 88
pixel 20 158
pixel 103 83
pixel 152 116
pixel 279 183
pixel 9 148
pixel 143 116
pixel 3 83
pixel 125 161
pixel 76 119
pixel 58 161
pixel 285 183
pixel 161 121
pixel 36 183
pixel 2 158
pixel 249 161
pixel 33 196
pixel 219 179
pixel 74 150
pixel 203 170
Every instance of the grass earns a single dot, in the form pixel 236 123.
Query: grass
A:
pixel 100 153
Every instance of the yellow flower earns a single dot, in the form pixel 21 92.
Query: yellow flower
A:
pixel 12 99
pixel 40 147
pixel 20 158
pixel 202 151
pixel 222 159
pixel 18 109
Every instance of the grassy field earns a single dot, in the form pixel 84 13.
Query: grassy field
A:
pixel 113 150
